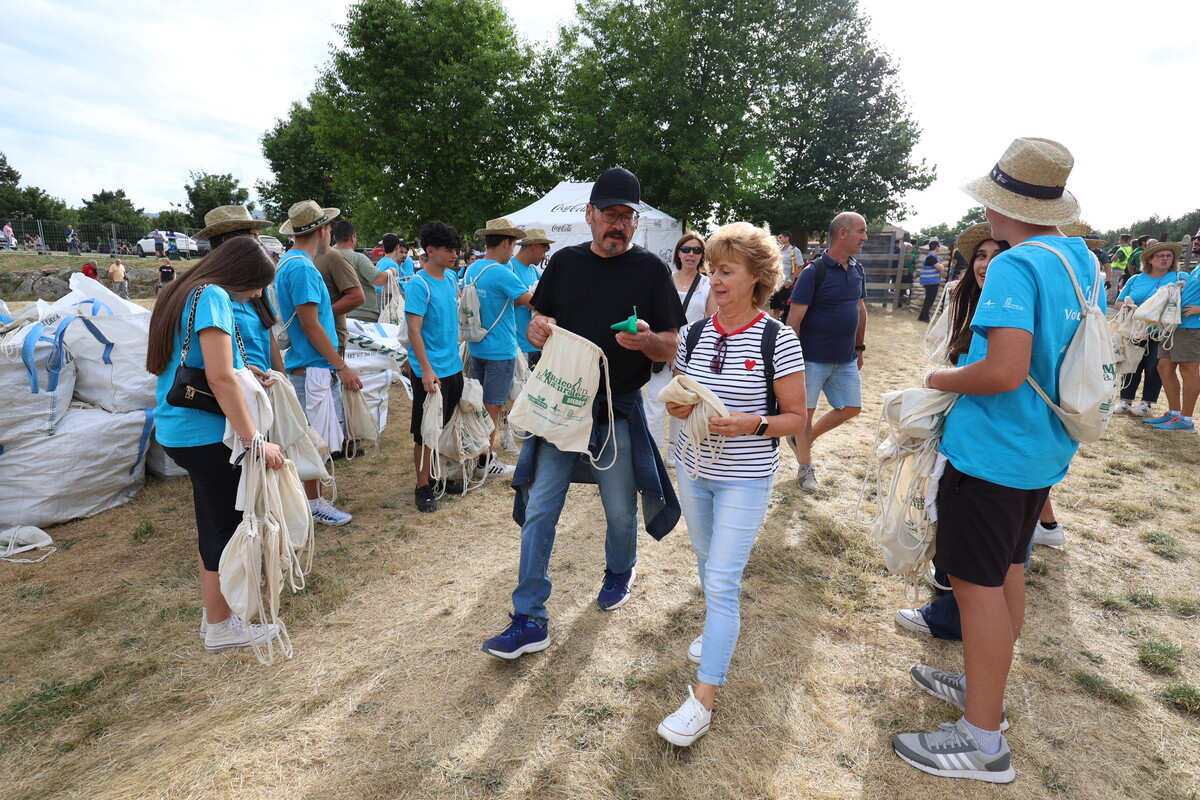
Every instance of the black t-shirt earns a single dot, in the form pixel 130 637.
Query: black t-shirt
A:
pixel 587 294
pixel 166 274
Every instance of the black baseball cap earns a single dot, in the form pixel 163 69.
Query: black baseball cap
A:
pixel 616 187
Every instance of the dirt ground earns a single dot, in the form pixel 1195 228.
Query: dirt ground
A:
pixel 106 690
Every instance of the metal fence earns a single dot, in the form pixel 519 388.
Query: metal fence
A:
pixel 51 236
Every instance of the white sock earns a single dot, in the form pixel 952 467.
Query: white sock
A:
pixel 988 741
pixel 314 503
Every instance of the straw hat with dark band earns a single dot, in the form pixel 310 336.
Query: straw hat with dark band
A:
pixel 224 219
pixel 1083 231
pixel 971 238
pixel 500 227
pixel 535 236
pixel 1174 247
pixel 1029 183
pixel 306 216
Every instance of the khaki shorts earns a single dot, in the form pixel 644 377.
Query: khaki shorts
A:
pixel 1185 346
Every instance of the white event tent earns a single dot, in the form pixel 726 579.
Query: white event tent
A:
pixel 560 214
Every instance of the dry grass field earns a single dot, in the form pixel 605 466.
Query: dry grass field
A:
pixel 106 690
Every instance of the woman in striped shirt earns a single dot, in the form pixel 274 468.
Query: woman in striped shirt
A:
pixel 726 501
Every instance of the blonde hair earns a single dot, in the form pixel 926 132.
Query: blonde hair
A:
pixel 756 248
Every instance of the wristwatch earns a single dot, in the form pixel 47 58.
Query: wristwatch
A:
pixel 860 347
pixel 761 430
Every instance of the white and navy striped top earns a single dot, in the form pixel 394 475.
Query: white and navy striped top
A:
pixel 742 386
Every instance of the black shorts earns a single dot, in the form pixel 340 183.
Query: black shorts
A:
pixel 452 388
pixel 984 528
pixel 214 492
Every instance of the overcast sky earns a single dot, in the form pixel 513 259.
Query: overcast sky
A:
pixel 133 94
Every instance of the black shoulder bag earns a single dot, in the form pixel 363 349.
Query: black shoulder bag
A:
pixel 190 388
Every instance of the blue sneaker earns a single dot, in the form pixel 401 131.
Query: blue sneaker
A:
pixel 1155 420
pixel 524 635
pixel 1176 423
pixel 615 591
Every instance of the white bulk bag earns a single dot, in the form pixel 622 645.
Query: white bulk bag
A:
pixel 159 464
pixel 95 461
pixel 37 378
pixel 374 346
pixel 109 351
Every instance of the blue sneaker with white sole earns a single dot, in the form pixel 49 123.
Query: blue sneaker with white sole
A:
pixel 1175 423
pixel 524 635
pixel 615 591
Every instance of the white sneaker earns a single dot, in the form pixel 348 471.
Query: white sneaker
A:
pixel 508 444
pixel 1049 537
pixel 1142 409
pixel 1122 407
pixel 911 619
pixel 695 649
pixel 326 514
pixel 233 632
pixel 497 468
pixel 687 724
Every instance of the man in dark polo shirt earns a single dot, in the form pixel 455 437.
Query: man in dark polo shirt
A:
pixel 829 314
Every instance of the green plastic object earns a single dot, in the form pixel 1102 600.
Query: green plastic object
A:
pixel 629 325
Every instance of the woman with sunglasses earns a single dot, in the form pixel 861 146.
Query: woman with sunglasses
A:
pixel 692 284
pixel 198 308
pixel 1160 267
pixel 726 501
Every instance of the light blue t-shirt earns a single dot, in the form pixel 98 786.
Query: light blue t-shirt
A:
pixel 255 337
pixel 436 302
pixel 298 282
pixel 524 314
pixel 1190 297
pixel 1014 439
pixel 497 286
pixel 1141 286
pixel 190 427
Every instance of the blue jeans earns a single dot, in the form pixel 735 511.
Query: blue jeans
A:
pixel 723 519
pixel 548 494
pixel 841 383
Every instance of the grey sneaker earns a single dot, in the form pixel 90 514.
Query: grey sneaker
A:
pixel 948 686
pixel 951 752
pixel 806 478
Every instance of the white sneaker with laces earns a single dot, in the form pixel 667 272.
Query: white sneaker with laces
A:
pixel 508 444
pixel 696 649
pixel 806 477
pixel 1049 537
pixel 497 468
pixel 689 722
pixel 326 514
pixel 911 619
pixel 1122 407
pixel 1142 409
pixel 233 632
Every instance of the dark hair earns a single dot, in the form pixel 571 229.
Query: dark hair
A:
pixel 439 234
pixel 964 298
pixel 934 244
pixel 690 234
pixel 787 234
pixel 390 242
pixel 218 239
pixel 403 244
pixel 1141 240
pixel 343 230
pixel 495 240
pixel 240 266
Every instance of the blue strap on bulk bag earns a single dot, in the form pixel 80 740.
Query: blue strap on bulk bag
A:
pixel 147 428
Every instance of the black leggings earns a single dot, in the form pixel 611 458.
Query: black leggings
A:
pixel 214 492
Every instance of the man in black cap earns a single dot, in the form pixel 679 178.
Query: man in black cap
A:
pixel 585 289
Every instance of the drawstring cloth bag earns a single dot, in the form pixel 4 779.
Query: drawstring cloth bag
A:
pixel 300 443
pixel 22 539
pixel 1159 316
pixel 319 406
pixel 362 431
pixel 467 435
pixel 391 308
pixel 706 447
pixel 1127 349
pixel 556 402
pixel 937 335
pixel 903 472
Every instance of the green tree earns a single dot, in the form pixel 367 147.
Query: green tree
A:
pixel 302 169
pixel 427 111
pixel 8 174
pixel 946 233
pixel 173 220
pixel 780 112
pixel 111 207
pixel 205 192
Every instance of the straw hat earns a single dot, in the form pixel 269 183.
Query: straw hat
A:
pixel 1083 231
pixel 306 216
pixel 1029 183
pixel 500 227
pixel 224 219
pixel 971 238
pixel 1174 247
pixel 535 236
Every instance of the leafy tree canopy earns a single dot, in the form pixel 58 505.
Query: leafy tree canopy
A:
pixel 173 220
pixel 207 191
pixel 303 169
pixel 111 207
pixel 946 233
pixel 1165 229
pixel 8 174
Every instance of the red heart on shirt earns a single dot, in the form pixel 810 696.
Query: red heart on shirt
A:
pixel 751 363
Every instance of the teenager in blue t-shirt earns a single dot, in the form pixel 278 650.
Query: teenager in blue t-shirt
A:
pixel 431 310
pixel 1004 448
pixel 193 437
